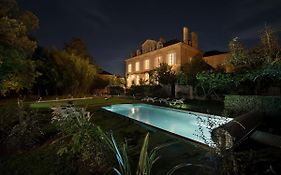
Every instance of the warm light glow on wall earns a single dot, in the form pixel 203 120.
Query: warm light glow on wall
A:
pixel 137 80
pixel 146 64
pixel 146 78
pixel 171 59
pixel 158 61
pixel 130 68
pixel 137 66
pixel 130 80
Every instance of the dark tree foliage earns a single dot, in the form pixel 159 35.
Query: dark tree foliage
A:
pixel 256 69
pixel 16 25
pixel 16 47
pixel 100 82
pixel 76 74
pixel 67 71
pixel 77 47
pixel 165 75
pixel 17 71
pixel 46 82
pixel 187 75
pixel 266 53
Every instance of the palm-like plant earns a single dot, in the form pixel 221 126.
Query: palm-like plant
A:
pixel 146 159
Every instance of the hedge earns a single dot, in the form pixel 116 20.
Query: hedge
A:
pixel 238 104
pixel 147 90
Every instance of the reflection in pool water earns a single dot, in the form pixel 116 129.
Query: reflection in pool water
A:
pixel 183 123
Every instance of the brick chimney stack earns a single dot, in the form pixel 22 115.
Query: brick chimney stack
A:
pixel 185 35
pixel 194 40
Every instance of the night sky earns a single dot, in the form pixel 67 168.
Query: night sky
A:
pixel 113 29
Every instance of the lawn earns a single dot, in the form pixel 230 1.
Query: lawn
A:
pixel 42 158
pixel 88 103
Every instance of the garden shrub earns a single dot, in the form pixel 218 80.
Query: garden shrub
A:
pixel 236 104
pixel 147 90
pixel 20 128
pixel 26 133
pixel 181 94
pixel 141 90
pixel 116 90
pixel 80 138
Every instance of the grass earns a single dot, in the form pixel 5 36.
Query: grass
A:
pixel 183 151
pixel 42 159
pixel 95 102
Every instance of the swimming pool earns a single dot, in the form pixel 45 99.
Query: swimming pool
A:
pixel 191 125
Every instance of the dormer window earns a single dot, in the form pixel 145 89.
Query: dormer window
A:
pixel 159 45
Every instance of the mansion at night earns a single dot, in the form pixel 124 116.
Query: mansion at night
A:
pixel 174 53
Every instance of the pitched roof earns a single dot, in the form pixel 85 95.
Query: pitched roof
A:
pixel 212 53
pixel 103 72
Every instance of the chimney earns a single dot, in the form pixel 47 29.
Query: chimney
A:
pixel 185 35
pixel 162 39
pixel 194 40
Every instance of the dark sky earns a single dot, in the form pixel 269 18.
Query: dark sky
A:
pixel 113 29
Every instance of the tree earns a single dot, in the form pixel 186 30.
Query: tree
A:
pixel 270 46
pixel 15 26
pixel 8 8
pixel 16 47
pixel 48 77
pixel 117 81
pixel 266 53
pixel 100 82
pixel 257 60
pixel 238 54
pixel 29 20
pixel 77 47
pixel 215 82
pixel 17 71
pixel 187 75
pixel 152 74
pixel 165 75
pixel 76 73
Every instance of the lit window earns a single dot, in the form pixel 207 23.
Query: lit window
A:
pixel 146 64
pixel 137 80
pixel 171 59
pixel 158 61
pixel 137 66
pixel 130 68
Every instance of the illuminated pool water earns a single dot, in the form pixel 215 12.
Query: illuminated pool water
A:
pixel 190 125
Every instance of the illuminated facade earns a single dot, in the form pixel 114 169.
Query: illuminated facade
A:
pixel 152 53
